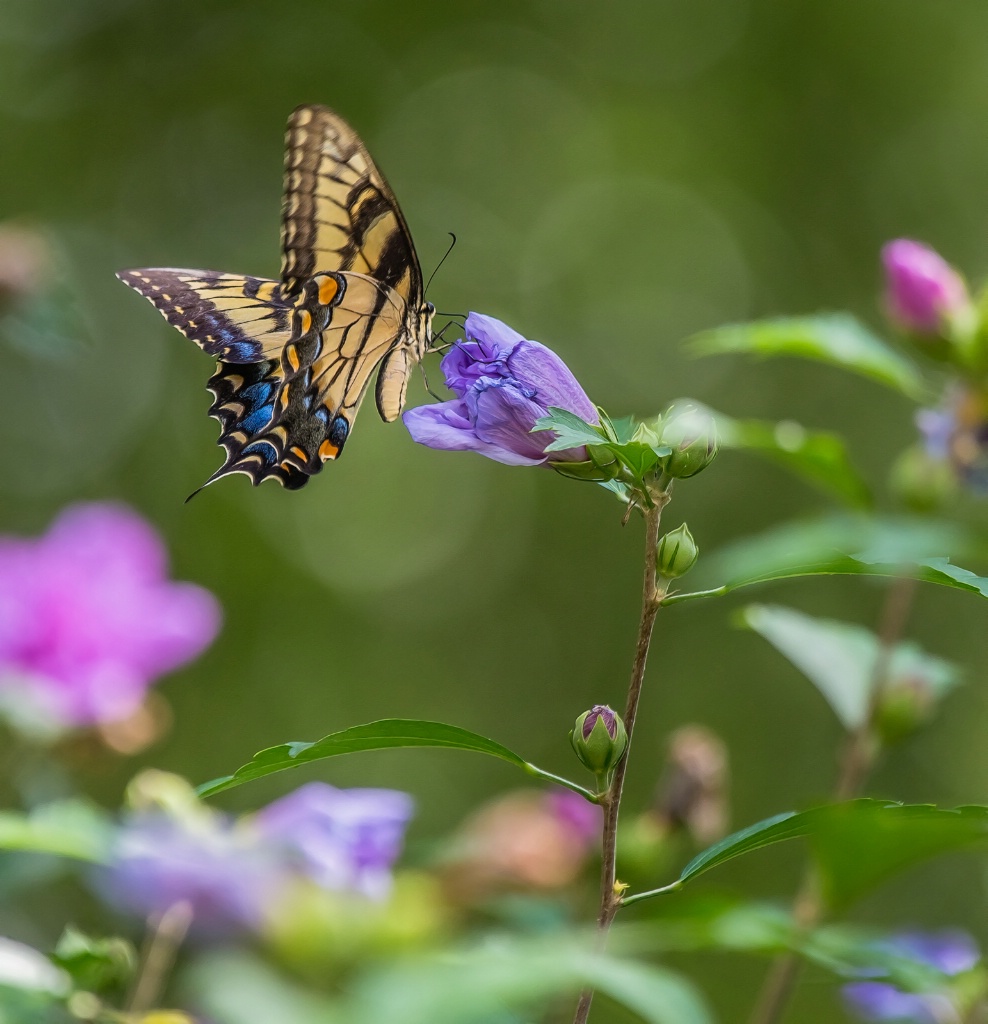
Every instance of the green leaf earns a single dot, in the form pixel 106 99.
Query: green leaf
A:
pixel 857 844
pixel 723 923
pixel 620 430
pixel 67 828
pixel 819 457
pixel 640 452
pixel 94 965
pixel 859 546
pixel 476 985
pixel 507 975
pixel 385 734
pixel 236 988
pixel 640 458
pixel 570 430
pixel 853 952
pixel 840 658
pixel 835 338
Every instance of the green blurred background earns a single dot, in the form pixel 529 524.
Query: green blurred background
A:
pixel 619 176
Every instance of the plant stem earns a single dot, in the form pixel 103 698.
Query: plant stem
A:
pixel 652 594
pixel 166 933
pixel 856 762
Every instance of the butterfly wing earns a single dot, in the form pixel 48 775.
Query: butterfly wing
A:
pixel 309 402
pixel 339 212
pixel 340 215
pixel 238 319
pixel 296 356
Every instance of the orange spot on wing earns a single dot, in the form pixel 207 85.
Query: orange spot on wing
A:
pixel 328 290
pixel 305 321
pixel 291 354
pixel 299 453
pixel 328 450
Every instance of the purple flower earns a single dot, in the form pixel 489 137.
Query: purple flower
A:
pixel 951 952
pixel 342 838
pixel 221 871
pixel 921 287
pixel 89 619
pixel 503 384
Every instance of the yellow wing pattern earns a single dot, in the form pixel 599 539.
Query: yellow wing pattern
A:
pixel 339 212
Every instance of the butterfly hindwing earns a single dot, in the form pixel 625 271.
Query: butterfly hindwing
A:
pixel 244 397
pixel 239 319
pixel 325 374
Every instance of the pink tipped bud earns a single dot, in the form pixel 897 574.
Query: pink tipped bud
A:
pixel 922 289
pixel 599 738
pixel 603 712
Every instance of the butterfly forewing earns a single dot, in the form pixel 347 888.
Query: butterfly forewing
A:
pixel 339 211
pixel 239 319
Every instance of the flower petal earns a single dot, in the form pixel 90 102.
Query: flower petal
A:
pixel 504 415
pixel 551 378
pixel 493 333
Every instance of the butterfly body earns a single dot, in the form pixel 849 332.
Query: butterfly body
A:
pixel 296 355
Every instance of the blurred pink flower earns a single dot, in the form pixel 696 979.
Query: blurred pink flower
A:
pixel 89 619
pixel 921 287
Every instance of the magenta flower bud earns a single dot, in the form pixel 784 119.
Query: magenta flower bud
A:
pixel 503 384
pixel 922 289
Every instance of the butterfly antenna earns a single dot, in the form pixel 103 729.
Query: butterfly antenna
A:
pixel 440 263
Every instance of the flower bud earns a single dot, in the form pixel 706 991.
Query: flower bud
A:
pixel 599 738
pixel 691 431
pixel 601 466
pixel 922 482
pixel 922 290
pixel 903 707
pixel 677 553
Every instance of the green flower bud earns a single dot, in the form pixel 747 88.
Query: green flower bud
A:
pixel 921 482
pixel 599 738
pixel 691 431
pixel 601 466
pixel 677 553
pixel 906 703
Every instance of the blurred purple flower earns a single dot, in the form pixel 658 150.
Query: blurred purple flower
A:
pixel 503 384
pixel 222 872
pixel 937 427
pixel 237 874
pixel 89 619
pixel 921 287
pixel 957 433
pixel 342 838
pixel 951 952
